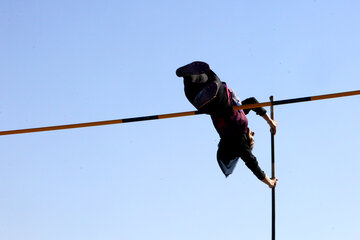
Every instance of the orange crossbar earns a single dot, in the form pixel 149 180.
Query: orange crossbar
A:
pixel 174 115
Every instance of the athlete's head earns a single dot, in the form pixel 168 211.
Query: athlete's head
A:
pixel 251 139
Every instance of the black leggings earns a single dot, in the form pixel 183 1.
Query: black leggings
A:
pixel 195 83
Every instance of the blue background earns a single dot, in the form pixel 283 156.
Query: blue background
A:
pixel 68 62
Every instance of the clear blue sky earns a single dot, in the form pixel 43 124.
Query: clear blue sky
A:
pixel 78 61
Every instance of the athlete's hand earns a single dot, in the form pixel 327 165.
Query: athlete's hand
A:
pixel 273 126
pixel 272 182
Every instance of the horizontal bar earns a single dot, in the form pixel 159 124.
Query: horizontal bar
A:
pixel 61 127
pixel 182 114
pixel 294 100
pixel 173 115
pixel 335 95
pixel 250 106
pixel 99 123
pixel 138 119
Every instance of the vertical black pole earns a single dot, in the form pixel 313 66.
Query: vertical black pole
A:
pixel 272 172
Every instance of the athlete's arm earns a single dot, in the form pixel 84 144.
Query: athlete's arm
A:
pixel 272 123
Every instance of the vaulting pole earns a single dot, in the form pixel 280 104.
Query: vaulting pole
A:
pixel 173 115
pixel 272 172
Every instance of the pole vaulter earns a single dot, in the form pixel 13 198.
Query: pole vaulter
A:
pixel 174 115
pixel 226 168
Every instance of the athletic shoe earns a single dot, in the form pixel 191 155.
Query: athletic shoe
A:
pixel 193 69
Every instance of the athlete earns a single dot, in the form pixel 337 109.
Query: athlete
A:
pixel 208 94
